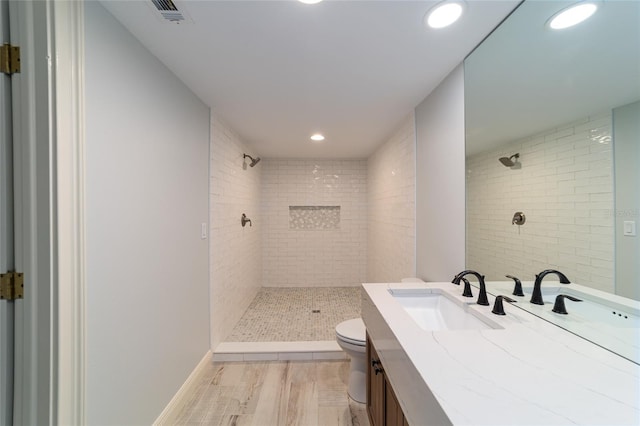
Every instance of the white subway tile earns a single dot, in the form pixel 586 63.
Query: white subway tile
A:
pixel 565 189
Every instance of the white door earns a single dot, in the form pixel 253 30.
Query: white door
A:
pixel 6 232
pixel 30 152
pixel 32 365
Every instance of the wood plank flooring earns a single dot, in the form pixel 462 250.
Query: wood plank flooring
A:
pixel 291 393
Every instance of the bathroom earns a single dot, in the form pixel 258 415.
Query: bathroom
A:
pixel 170 281
pixel 178 314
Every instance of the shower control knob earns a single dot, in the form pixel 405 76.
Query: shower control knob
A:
pixel 244 220
pixel 518 218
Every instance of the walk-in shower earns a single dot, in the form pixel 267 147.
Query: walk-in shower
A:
pixel 283 285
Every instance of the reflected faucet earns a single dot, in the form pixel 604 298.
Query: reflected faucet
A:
pixel 482 297
pixel 536 296
pixel 517 289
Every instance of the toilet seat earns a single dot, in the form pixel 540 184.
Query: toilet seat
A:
pixel 352 331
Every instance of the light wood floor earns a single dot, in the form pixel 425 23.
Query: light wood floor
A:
pixel 305 393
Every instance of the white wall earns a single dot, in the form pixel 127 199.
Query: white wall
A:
pixel 391 195
pixel 440 185
pixel 564 187
pixel 314 257
pixel 147 312
pixel 626 122
pixel 236 252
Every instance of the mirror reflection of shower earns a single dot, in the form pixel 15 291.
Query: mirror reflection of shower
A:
pixel 254 161
pixel 511 161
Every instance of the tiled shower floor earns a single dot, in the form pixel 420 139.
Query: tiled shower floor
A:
pixel 286 324
pixel 297 314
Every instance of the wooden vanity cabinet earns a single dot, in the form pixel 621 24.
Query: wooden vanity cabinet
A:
pixel 382 405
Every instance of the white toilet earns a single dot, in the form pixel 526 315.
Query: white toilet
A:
pixel 351 335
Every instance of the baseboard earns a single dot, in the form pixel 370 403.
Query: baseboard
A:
pixel 170 413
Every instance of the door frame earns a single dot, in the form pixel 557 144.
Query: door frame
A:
pixel 6 230
pixel 68 84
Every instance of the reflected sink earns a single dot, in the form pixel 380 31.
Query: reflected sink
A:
pixel 434 311
pixel 591 309
pixel 609 321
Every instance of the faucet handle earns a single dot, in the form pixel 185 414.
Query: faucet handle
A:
pixel 466 292
pixel 498 308
pixel 559 307
pixel 517 290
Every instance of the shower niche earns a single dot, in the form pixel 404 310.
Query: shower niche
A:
pixel 314 217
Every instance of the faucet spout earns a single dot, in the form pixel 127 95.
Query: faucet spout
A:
pixel 536 295
pixel 482 296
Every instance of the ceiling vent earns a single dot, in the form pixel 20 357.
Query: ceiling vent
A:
pixel 169 11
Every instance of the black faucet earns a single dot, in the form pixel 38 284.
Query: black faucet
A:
pixel 482 297
pixel 498 308
pixel 466 292
pixel 559 307
pixel 517 289
pixel 536 296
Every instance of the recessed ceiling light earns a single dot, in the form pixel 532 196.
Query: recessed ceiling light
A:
pixel 309 1
pixel 572 15
pixel 444 14
pixel 317 137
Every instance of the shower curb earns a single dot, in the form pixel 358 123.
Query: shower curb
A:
pixel 279 351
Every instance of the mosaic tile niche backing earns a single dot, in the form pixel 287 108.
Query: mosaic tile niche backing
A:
pixel 314 217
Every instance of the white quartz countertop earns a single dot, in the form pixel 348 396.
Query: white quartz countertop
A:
pixel 524 371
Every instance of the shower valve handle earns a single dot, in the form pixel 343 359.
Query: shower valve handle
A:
pixel 518 218
pixel 244 219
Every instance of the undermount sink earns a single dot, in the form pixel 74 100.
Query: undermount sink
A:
pixel 434 311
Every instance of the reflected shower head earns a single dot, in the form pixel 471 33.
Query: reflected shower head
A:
pixel 508 162
pixel 254 161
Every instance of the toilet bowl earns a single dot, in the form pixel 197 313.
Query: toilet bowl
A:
pixel 350 336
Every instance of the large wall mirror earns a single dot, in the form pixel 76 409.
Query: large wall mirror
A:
pixel 552 159
pixel 553 131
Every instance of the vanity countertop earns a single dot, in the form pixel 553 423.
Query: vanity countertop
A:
pixel 523 371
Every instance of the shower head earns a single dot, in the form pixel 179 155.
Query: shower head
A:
pixel 254 161
pixel 508 162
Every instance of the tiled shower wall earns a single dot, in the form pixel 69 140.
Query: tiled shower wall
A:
pixel 391 198
pixel 314 256
pixel 236 255
pixel 565 189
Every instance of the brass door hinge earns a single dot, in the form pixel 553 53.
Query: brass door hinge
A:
pixel 11 286
pixel 9 59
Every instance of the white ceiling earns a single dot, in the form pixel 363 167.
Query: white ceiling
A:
pixel 278 71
